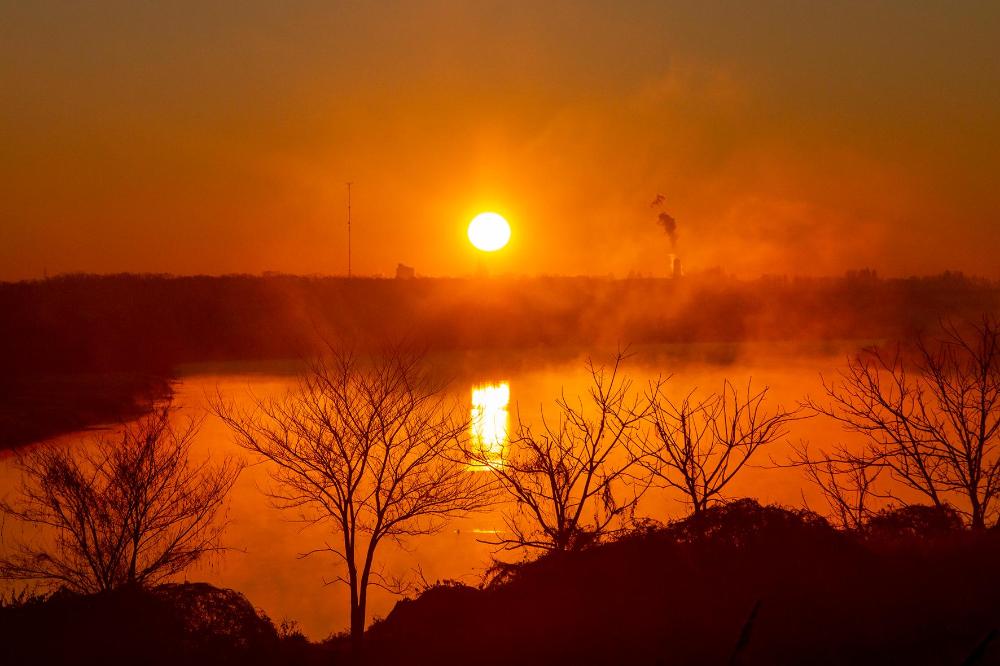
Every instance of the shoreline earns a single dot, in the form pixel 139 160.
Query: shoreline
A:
pixel 38 408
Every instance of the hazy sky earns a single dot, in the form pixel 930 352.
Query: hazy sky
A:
pixel 788 137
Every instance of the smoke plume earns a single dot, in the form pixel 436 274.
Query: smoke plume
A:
pixel 665 220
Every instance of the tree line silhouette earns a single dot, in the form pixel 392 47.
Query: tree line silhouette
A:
pixel 80 350
pixel 152 323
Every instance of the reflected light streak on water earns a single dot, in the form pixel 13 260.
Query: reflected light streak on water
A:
pixel 488 422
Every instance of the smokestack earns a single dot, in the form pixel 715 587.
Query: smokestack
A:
pixel 675 267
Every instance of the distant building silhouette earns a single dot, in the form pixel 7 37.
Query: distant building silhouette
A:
pixel 404 272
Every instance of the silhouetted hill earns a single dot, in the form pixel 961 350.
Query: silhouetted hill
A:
pixel 683 594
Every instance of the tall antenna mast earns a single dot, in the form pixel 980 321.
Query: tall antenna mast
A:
pixel 348 229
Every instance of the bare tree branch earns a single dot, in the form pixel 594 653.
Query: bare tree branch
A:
pixel 847 481
pixel 131 510
pixel 368 449
pixel 930 415
pixel 571 479
pixel 702 443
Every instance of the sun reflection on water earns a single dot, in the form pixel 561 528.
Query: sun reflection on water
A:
pixel 488 423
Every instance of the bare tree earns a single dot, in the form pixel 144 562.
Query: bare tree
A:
pixel 701 444
pixel 570 479
pixel 135 509
pixel 370 450
pixel 930 415
pixel 847 480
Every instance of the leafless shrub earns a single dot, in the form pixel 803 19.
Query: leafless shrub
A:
pixel 131 510
pixel 701 444
pixel 847 481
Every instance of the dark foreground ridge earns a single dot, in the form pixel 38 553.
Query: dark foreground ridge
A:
pixel 739 584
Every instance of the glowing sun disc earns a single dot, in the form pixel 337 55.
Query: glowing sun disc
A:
pixel 489 232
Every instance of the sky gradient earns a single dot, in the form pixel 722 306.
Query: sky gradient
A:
pixel 787 137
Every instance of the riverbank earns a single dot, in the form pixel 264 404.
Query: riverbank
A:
pixel 39 407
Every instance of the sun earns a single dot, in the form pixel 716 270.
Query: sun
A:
pixel 489 232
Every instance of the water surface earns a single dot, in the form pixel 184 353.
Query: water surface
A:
pixel 497 388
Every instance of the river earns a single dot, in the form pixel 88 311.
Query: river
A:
pixel 496 386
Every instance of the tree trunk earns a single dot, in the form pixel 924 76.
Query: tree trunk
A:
pixel 978 519
pixel 360 605
pixel 357 612
pixel 357 629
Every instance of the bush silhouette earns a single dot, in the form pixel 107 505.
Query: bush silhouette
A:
pixel 740 583
pixel 917 520
pixel 183 623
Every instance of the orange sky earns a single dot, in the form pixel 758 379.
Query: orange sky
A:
pixel 788 137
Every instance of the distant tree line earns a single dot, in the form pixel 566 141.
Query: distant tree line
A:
pixel 152 323
pixel 80 350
